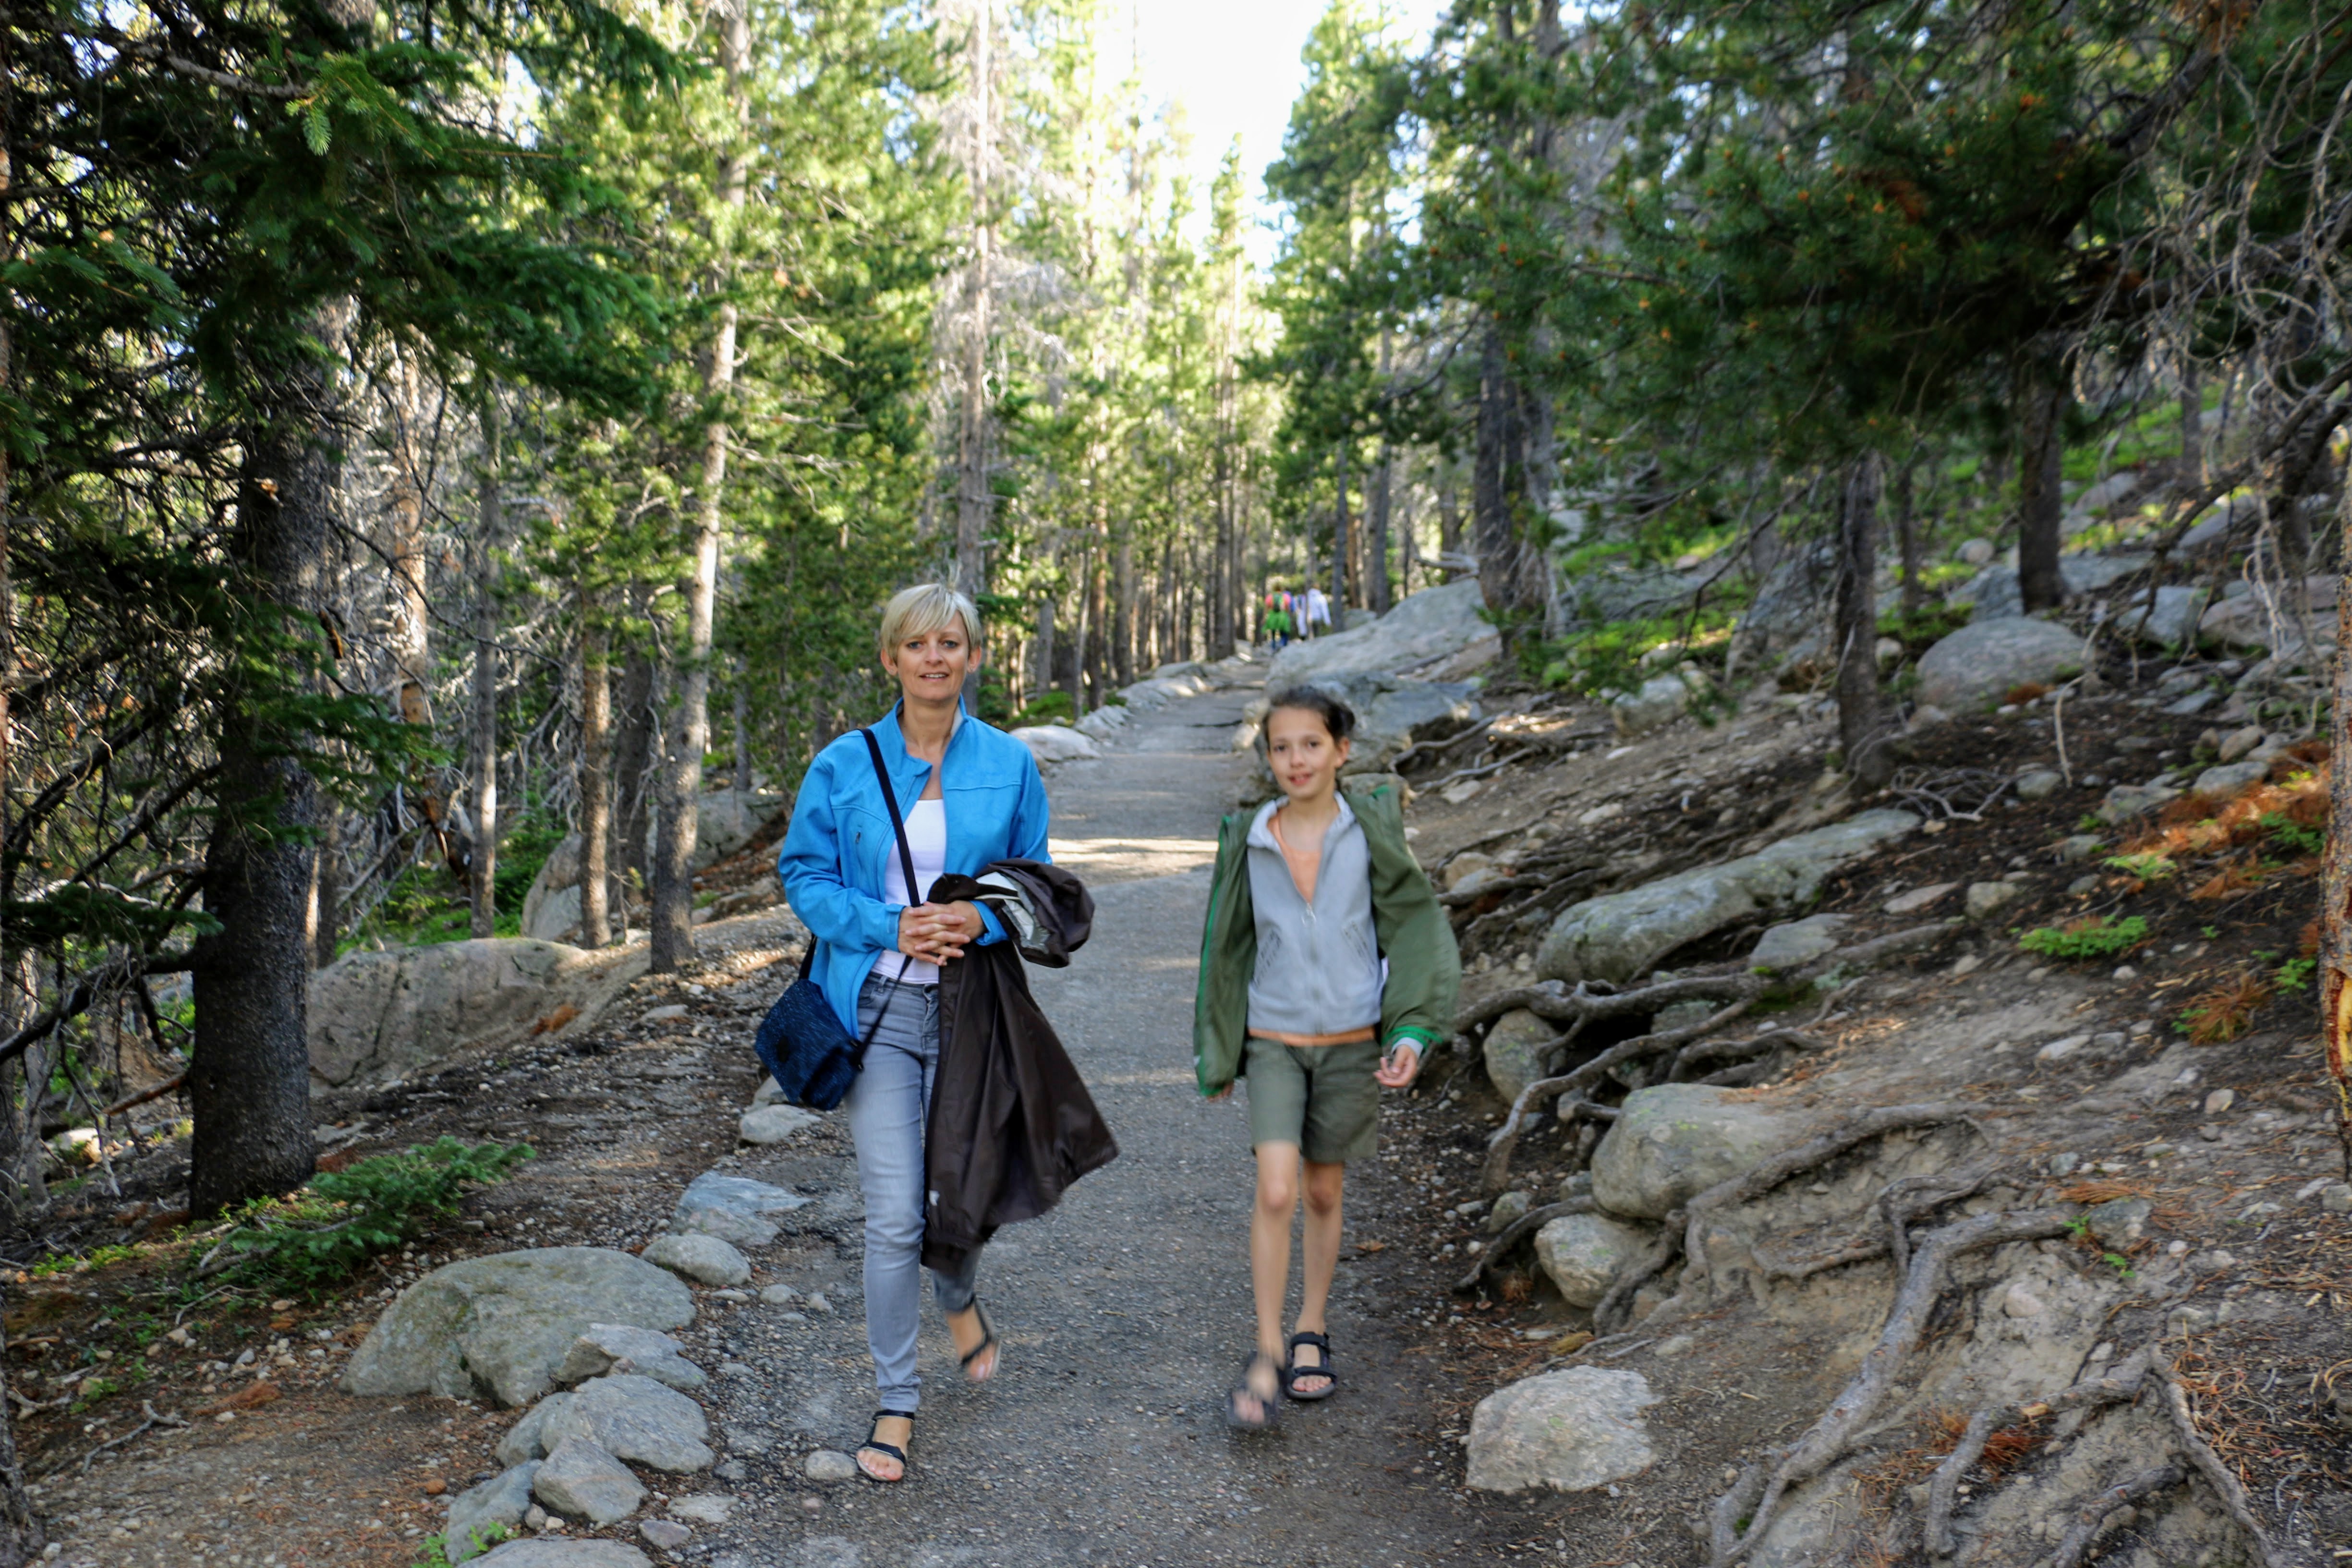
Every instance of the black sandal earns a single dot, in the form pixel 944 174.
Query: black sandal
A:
pixel 890 1450
pixel 1292 1372
pixel 1241 1390
pixel 987 1343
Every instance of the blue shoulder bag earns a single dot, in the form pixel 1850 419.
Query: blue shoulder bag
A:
pixel 801 1041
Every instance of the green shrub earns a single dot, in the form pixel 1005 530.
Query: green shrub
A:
pixel 2286 836
pixel 340 1218
pixel 2094 937
pixel 2147 867
pixel 1050 708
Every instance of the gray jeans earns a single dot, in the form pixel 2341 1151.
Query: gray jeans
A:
pixel 888 1107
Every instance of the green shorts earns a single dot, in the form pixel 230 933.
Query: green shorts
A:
pixel 1321 1097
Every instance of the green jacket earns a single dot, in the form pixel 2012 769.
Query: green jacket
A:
pixel 1424 966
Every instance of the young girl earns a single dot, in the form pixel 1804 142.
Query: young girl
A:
pixel 1327 969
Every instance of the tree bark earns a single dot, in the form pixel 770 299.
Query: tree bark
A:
pixel 1907 534
pixel 2335 876
pixel 409 616
pixel 1861 721
pixel 972 498
pixel 1491 481
pixel 2041 451
pixel 20 1532
pixel 1377 556
pixel 1044 666
pixel 482 750
pixel 595 779
pixel 1339 541
pixel 249 1085
pixel 633 765
pixel 672 921
pixel 2192 426
pixel 1124 636
pixel 743 768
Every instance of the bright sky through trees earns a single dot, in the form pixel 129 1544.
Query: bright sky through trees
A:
pixel 1233 65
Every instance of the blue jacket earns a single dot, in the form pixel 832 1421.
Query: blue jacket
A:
pixel 839 842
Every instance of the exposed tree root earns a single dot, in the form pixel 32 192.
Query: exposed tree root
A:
pixel 1519 1230
pixel 2092 1517
pixel 1828 1439
pixel 1609 1315
pixel 2118 1387
pixel 1898 1204
pixel 2209 1463
pixel 1506 1141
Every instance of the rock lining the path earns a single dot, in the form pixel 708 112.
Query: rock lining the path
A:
pixel 1569 1431
pixel 1672 1143
pixel 1580 1254
pixel 566 1554
pixel 501 1501
pixel 502 1325
pixel 700 1258
pixel 375 1016
pixel 581 1480
pixel 633 1417
pixel 606 1348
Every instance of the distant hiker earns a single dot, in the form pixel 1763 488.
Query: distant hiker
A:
pixel 1328 968
pixel 965 802
pixel 1278 628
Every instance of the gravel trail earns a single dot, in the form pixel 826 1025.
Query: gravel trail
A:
pixel 1126 1312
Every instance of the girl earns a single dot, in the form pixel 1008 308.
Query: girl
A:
pixel 1327 969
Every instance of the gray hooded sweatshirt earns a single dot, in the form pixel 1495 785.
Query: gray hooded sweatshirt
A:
pixel 1319 965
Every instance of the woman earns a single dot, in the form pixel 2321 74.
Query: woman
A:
pixel 968 795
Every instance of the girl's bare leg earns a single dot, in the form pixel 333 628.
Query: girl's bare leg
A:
pixel 1321 1247
pixel 1277 1200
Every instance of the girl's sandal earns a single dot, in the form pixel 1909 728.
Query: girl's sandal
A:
pixel 1292 1372
pixel 1269 1405
pixel 887 1450
pixel 987 1342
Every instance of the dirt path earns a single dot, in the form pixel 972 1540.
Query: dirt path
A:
pixel 1126 1311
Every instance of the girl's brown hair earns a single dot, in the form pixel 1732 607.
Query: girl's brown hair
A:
pixel 1336 716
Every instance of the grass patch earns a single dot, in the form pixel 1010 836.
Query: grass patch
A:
pixel 2094 936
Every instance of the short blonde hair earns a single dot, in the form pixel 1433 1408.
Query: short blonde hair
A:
pixel 924 608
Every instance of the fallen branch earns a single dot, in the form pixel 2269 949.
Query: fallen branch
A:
pixel 168 1086
pixel 2092 1517
pixel 1519 1230
pixel 1898 1203
pixel 2209 1463
pixel 2118 1387
pixel 153 1421
pixel 1825 1442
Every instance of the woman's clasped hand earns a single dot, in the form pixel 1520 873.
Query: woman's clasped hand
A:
pixel 937 932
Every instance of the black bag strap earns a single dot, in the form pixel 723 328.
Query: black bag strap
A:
pixel 898 828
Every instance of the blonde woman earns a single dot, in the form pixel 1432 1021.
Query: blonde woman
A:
pixel 967 795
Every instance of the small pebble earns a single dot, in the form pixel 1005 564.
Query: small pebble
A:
pixel 779 1295
pixel 2125 971
pixel 817 1304
pixel 2220 1100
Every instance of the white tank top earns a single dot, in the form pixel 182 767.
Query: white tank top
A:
pixel 926 840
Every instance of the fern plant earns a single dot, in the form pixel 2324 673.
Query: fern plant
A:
pixel 2094 937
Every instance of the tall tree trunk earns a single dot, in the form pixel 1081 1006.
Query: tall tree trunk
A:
pixel 2192 426
pixel 1045 656
pixel 1449 520
pixel 1339 540
pixel 633 759
pixel 1408 546
pixel 1078 649
pixel 1491 491
pixel 1377 556
pixel 410 612
pixel 743 737
pixel 1123 639
pixel 482 864
pixel 2335 877
pixel 596 778
pixel 329 926
pixel 249 1084
pixel 972 498
pixel 672 922
pixel 1861 720
pixel 1906 534
pixel 2040 500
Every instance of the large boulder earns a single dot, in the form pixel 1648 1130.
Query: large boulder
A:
pixel 1973 667
pixel 501 1325
pixel 1672 1143
pixel 1995 593
pixel 1789 606
pixel 1655 703
pixel 1580 1253
pixel 1169 683
pixel 1614 595
pixel 1619 936
pixel 2271 616
pixel 1569 1431
pixel 551 910
pixel 1057 743
pixel 2170 622
pixel 1514 1050
pixel 1424 629
pixel 381 1016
